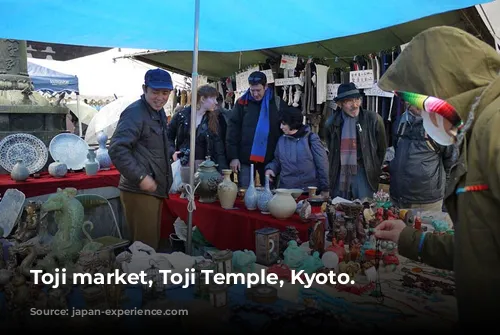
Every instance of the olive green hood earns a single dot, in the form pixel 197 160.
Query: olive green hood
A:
pixel 447 63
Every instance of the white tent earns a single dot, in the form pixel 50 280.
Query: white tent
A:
pixel 105 74
pixel 490 13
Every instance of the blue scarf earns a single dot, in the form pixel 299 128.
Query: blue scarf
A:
pixel 259 146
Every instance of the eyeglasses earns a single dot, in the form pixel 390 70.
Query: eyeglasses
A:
pixel 256 80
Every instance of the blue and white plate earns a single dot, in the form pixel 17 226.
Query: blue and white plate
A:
pixel 30 149
pixel 69 149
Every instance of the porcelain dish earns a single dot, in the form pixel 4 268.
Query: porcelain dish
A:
pixel 69 149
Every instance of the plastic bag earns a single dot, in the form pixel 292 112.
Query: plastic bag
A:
pixel 176 174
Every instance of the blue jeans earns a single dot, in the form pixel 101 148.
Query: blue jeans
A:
pixel 360 187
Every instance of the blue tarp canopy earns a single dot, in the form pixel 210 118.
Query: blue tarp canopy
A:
pixel 45 79
pixel 224 26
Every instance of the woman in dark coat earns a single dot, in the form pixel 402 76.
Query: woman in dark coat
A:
pixel 210 130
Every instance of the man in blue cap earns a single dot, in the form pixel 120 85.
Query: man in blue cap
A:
pixel 139 149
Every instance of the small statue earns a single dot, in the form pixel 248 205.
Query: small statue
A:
pixel 291 233
pixel 69 217
pixel 355 251
pixel 351 268
pixel 317 239
pixel 244 261
pixel 28 227
pixel 281 270
pixel 338 248
pixel 294 255
pixel 312 263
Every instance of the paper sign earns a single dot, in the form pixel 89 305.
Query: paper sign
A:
pixel 242 81
pixel 331 91
pixel 377 92
pixel 202 80
pixel 288 62
pixel 362 79
pixel 269 75
pixel 288 81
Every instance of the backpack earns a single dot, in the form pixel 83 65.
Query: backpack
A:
pixel 310 145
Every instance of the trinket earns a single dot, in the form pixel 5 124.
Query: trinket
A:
pixel 267 241
pixel 264 294
pixel 218 295
pixel 202 279
pixel 156 287
pixel 281 270
pixel 223 261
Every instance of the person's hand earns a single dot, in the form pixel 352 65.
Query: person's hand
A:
pixel 235 165
pixel 174 156
pixel 148 184
pixel 390 230
pixel 271 174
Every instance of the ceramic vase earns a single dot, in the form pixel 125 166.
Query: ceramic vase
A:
pixel 282 205
pixel 264 197
pixel 58 169
pixel 19 172
pixel 227 191
pixel 91 166
pixel 102 155
pixel 251 193
pixel 209 178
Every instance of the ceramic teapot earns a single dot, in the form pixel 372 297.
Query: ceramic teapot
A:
pixel 209 179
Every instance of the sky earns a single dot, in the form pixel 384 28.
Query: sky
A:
pixel 100 76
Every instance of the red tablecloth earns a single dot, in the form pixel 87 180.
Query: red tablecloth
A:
pixel 47 184
pixel 229 229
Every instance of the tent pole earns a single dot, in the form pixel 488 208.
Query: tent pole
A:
pixel 78 112
pixel 194 90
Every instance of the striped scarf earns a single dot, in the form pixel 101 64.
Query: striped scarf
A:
pixel 348 156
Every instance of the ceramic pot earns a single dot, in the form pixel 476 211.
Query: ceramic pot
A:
pixel 19 172
pixel 58 169
pixel 282 205
pixel 264 197
pixel 91 166
pixel 251 193
pixel 102 155
pixel 227 191
pixel 209 179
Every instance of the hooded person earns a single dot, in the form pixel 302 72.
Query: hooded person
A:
pixel 454 77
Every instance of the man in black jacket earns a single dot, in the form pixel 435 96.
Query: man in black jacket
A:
pixel 140 151
pixel 356 142
pixel 253 129
pixel 420 165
